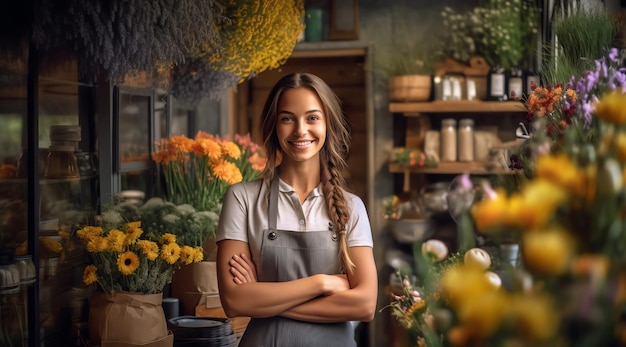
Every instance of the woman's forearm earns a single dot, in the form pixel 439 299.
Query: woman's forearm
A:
pixel 350 305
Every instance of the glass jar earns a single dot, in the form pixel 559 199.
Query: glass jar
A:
pixel 466 139
pixel 9 273
pixel 448 140
pixel 27 269
pixel 62 162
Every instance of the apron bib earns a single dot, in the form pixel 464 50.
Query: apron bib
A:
pixel 288 255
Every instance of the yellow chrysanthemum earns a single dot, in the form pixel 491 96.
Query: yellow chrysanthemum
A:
pixel 89 232
pixel 133 232
pixel 90 274
pixel 97 244
pixel 149 248
pixel 128 262
pixel 116 239
pixel 186 255
pixel 170 253
pixel 167 238
pixel 231 149
pixel 227 172
pixel 198 254
pixel 417 305
pixel 612 108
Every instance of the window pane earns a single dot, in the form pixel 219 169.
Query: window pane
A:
pixel 134 127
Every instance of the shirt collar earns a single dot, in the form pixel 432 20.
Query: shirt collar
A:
pixel 283 187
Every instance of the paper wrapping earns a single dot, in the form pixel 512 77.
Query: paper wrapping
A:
pixel 130 318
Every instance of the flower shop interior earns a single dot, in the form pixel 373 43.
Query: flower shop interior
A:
pixel 486 144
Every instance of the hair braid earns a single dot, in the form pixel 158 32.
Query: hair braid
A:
pixel 337 207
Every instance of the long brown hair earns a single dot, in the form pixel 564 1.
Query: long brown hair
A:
pixel 332 156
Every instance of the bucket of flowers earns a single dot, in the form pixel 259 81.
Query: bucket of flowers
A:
pixel 130 270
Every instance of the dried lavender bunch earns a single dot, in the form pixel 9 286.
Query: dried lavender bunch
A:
pixel 118 36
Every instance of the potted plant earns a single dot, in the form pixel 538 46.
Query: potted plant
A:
pixel 408 63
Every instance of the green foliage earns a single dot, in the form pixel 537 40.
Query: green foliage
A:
pixel 583 34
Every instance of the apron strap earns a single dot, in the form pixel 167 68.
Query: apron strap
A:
pixel 273 208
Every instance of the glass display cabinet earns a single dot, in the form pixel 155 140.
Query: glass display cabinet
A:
pixel 49 184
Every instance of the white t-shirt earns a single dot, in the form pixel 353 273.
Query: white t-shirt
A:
pixel 244 215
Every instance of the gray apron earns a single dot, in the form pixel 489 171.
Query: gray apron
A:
pixel 290 255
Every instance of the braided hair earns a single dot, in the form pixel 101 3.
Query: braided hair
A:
pixel 332 156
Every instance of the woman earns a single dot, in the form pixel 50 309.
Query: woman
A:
pixel 295 248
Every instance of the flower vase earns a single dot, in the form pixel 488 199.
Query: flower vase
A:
pixel 128 319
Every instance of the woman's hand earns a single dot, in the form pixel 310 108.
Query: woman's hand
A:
pixel 334 284
pixel 242 269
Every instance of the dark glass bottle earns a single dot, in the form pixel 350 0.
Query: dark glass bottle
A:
pixel 496 84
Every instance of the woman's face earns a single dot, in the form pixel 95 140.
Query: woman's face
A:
pixel 301 125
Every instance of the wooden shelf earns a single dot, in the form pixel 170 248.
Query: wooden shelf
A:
pixel 461 106
pixel 447 168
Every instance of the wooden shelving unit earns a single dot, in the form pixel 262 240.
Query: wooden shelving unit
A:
pixel 452 168
pixel 462 106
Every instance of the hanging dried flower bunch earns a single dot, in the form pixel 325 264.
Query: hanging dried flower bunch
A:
pixel 259 35
pixel 118 37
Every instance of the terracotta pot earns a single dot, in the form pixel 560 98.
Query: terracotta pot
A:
pixel 408 88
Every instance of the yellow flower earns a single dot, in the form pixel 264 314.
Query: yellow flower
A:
pixel 133 232
pixel 198 254
pixel 89 232
pixel 546 252
pixel 150 249
pixel 170 253
pixel 167 238
pixel 417 305
pixel 558 169
pixel 612 108
pixel 483 313
pixel 534 317
pixel 51 244
pixel 97 244
pixel 540 199
pixel 489 214
pixel 116 239
pixel 90 274
pixel 186 255
pixel 462 284
pixel 128 262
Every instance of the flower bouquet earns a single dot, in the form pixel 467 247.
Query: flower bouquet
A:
pixel 198 171
pixel 124 259
pixel 130 269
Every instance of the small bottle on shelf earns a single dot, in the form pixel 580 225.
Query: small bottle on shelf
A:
pixel 448 140
pixel 466 140
pixel 496 84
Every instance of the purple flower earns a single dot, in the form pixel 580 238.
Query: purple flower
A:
pixel 614 54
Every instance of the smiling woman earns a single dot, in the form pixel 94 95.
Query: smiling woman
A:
pixel 304 257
